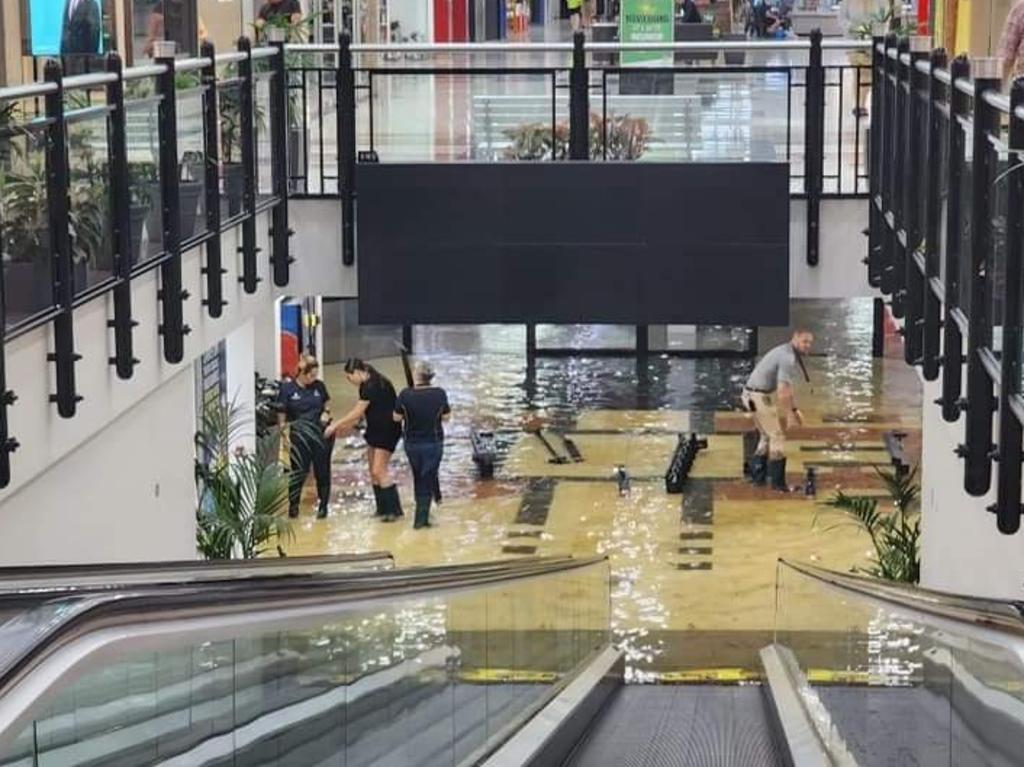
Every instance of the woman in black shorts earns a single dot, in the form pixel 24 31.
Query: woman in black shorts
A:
pixel 376 404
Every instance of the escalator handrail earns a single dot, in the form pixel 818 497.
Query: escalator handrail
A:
pixel 93 612
pixel 1001 615
pixel 62 578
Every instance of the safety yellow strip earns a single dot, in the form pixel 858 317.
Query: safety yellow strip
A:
pixel 505 675
pixel 690 676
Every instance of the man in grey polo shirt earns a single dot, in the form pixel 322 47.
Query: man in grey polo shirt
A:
pixel 768 395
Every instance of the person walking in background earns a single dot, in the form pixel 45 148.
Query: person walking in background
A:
pixel 302 403
pixel 422 411
pixel 272 10
pixel 1010 44
pixel 689 13
pixel 768 395
pixel 82 28
pixel 376 404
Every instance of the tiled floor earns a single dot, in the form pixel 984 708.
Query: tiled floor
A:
pixel 685 568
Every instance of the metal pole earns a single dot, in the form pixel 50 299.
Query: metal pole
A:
pixel 952 340
pixel 250 278
pixel 59 205
pixel 932 305
pixel 214 270
pixel 980 402
pixel 120 206
pixel 814 144
pixel 279 120
pixel 915 154
pixel 346 100
pixel 899 250
pixel 887 132
pixel 876 223
pixel 579 102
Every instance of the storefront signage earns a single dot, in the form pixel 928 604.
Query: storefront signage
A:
pixel 646 21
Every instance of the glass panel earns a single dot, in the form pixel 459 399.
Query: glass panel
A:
pixel 963 253
pixel 586 336
pixel 175 20
pixel 232 173
pixel 447 118
pixel 996 283
pixel 412 680
pixel 92 241
pixel 679 116
pixel 890 685
pixel 312 124
pixel 191 156
pixel 142 117
pixel 264 147
pixel 24 216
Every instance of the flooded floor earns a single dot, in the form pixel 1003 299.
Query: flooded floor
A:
pixel 693 575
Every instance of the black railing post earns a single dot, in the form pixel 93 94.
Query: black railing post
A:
pixel 279 120
pixel 1007 506
pixel 952 339
pixel 916 156
pixel 981 404
pixel 345 83
pixel 898 246
pixel 214 270
pixel 250 278
pixel 579 101
pixel 171 295
pixel 814 145
pixel 887 131
pixel 1008 503
pixel 7 397
pixel 932 306
pixel 58 180
pixel 876 221
pixel 120 206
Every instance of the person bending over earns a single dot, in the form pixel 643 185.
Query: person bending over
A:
pixel 376 404
pixel 768 394
pixel 302 403
pixel 422 411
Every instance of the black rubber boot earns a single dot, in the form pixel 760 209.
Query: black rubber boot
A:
pixel 759 469
pixel 777 475
pixel 391 503
pixel 321 511
pixel 293 512
pixel 422 518
pixel 377 500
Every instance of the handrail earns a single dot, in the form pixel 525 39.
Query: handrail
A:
pixel 964 86
pixel 997 100
pixel 54 580
pixel 943 76
pixel 1001 615
pixel 263 601
pixel 27 91
pixel 609 47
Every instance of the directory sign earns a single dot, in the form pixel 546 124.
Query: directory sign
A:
pixel 646 21
pixel 66 27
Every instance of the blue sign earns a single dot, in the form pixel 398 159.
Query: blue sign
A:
pixel 66 27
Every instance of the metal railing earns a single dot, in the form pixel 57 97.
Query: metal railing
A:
pixel 109 175
pixel 945 244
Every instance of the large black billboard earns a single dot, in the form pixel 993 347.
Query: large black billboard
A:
pixel 573 242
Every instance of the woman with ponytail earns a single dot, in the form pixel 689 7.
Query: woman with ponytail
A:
pixel 302 404
pixel 376 404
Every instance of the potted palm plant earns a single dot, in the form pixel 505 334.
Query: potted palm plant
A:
pixel 26 238
pixel 242 509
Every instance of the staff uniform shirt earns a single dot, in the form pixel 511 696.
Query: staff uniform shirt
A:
pixel 777 366
pixel 284 8
pixel 380 393
pixel 422 410
pixel 303 403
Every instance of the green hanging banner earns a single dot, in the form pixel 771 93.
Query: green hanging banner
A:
pixel 646 21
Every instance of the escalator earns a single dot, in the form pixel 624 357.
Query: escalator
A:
pixel 350 661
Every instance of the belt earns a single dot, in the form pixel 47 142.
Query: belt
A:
pixel 757 391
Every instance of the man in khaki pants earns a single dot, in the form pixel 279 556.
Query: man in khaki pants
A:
pixel 768 395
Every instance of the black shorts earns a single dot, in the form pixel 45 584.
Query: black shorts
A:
pixel 576 11
pixel 383 438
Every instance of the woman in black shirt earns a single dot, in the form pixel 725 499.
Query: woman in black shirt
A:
pixel 422 410
pixel 302 403
pixel 376 404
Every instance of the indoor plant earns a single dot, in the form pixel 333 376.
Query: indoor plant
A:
pixel 896 533
pixel 629 138
pixel 242 494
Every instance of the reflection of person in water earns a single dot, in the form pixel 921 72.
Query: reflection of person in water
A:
pixel 82 27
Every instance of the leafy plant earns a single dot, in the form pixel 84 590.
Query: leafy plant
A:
pixel 231 122
pixel 895 534
pixel 294 32
pixel 243 495
pixel 865 28
pixel 628 139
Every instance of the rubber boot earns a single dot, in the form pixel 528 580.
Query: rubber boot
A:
pixel 422 518
pixel 391 503
pixel 759 469
pixel 293 512
pixel 377 500
pixel 321 511
pixel 777 475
